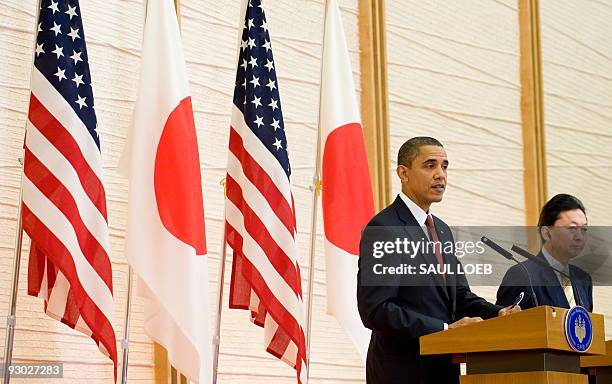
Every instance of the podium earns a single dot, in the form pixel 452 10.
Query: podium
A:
pixel 599 367
pixel 525 347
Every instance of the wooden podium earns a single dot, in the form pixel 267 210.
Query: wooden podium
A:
pixel 525 347
pixel 599 367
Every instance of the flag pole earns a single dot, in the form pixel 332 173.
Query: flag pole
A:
pixel 217 335
pixel 223 256
pixel 10 318
pixel 316 188
pixel 125 343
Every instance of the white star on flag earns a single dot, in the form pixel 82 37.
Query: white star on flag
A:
pixel 53 7
pixel 59 51
pixel 74 33
pixel 256 101
pixel 78 79
pixel 76 56
pixel 277 144
pixel 267 45
pixel 39 49
pixel 81 101
pixel 60 74
pixel 271 84
pixel 273 104
pixel 71 11
pixel 56 28
pixel 269 65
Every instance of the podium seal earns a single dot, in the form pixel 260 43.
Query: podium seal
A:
pixel 578 329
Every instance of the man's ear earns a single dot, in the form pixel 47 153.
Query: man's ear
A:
pixel 545 231
pixel 402 172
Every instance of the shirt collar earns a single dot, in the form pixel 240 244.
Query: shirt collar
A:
pixel 419 214
pixel 554 262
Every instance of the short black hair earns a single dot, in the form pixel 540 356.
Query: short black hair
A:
pixel 558 204
pixel 410 149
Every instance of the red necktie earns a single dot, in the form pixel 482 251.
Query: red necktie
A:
pixel 433 236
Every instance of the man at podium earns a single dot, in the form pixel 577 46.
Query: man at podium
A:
pixel 563 229
pixel 400 307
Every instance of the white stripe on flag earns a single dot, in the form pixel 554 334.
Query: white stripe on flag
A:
pixel 52 217
pixel 258 151
pixel 258 203
pixel 63 112
pixel 61 168
pixel 253 252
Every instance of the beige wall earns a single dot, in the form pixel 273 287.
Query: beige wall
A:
pixel 113 29
pixel 454 75
pixel 577 75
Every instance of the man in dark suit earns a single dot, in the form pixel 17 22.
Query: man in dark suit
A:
pixel 563 230
pixel 400 308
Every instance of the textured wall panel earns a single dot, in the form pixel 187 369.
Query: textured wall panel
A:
pixel 453 75
pixel 577 75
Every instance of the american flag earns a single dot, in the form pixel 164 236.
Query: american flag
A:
pixel 260 214
pixel 64 204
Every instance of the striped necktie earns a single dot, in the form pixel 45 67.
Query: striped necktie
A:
pixel 433 236
pixel 566 284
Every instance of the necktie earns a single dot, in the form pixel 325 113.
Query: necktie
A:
pixel 566 284
pixel 433 236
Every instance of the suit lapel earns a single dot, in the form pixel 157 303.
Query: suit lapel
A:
pixel 416 233
pixel 551 284
pixel 579 288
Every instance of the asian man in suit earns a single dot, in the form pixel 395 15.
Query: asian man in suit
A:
pixel 399 311
pixel 563 229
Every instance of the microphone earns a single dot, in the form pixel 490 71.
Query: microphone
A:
pixel 491 244
pixel 526 254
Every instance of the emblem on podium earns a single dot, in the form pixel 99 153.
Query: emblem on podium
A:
pixel 578 329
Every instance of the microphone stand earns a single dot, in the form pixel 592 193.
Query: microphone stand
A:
pixel 494 246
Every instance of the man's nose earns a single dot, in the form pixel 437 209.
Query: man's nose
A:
pixel 439 174
pixel 579 235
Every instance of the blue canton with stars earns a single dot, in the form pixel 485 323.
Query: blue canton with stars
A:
pixel 256 92
pixel 61 56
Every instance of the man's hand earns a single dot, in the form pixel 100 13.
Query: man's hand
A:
pixel 509 310
pixel 465 321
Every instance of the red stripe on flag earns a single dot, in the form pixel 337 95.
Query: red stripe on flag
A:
pixel 56 252
pixel 36 270
pixel 262 181
pixel 243 268
pixel 178 189
pixel 347 198
pixel 63 141
pixel 57 193
pixel 259 232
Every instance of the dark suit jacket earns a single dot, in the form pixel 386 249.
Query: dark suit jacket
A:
pixel 546 286
pixel 399 312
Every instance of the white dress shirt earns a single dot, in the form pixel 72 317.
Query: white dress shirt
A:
pixel 420 215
